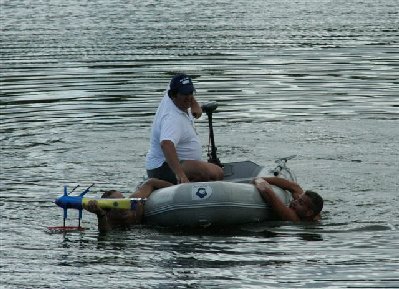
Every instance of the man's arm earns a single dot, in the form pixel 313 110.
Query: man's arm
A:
pixel 267 193
pixel 170 154
pixel 196 109
pixel 290 186
pixel 103 223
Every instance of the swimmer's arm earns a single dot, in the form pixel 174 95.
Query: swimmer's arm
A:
pixel 144 191
pixel 103 224
pixel 267 193
pixel 148 187
pixel 290 186
pixel 102 219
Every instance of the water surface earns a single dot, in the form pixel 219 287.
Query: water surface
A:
pixel 80 82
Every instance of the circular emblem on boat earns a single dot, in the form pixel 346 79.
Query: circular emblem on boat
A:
pixel 201 192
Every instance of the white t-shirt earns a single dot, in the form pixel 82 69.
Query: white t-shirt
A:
pixel 171 123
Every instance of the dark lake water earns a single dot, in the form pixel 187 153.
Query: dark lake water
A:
pixel 80 83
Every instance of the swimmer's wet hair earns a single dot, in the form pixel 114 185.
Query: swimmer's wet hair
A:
pixel 108 194
pixel 317 201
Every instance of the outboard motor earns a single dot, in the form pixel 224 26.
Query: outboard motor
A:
pixel 241 171
pixel 233 171
pixel 209 108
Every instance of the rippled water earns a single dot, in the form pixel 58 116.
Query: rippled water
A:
pixel 80 82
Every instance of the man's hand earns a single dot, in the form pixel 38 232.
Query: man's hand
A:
pixel 103 223
pixel 196 109
pixel 170 154
pixel 262 184
pixel 92 207
pixel 182 178
pixel 267 193
pixel 196 114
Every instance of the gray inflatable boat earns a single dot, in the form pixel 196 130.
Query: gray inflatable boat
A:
pixel 202 204
pixel 232 201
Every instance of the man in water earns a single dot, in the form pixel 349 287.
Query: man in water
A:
pixel 306 206
pixel 109 219
pixel 175 148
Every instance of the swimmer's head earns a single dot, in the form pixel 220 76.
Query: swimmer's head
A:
pixel 308 205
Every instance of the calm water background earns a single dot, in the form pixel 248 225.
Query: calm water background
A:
pixel 80 82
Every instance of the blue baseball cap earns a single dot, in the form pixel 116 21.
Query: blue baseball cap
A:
pixel 182 83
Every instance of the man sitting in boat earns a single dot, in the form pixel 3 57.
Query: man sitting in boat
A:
pixel 109 219
pixel 175 148
pixel 306 206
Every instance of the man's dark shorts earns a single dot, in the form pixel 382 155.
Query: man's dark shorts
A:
pixel 164 172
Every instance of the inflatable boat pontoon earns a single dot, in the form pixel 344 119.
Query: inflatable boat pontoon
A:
pixel 221 203
pixel 230 202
